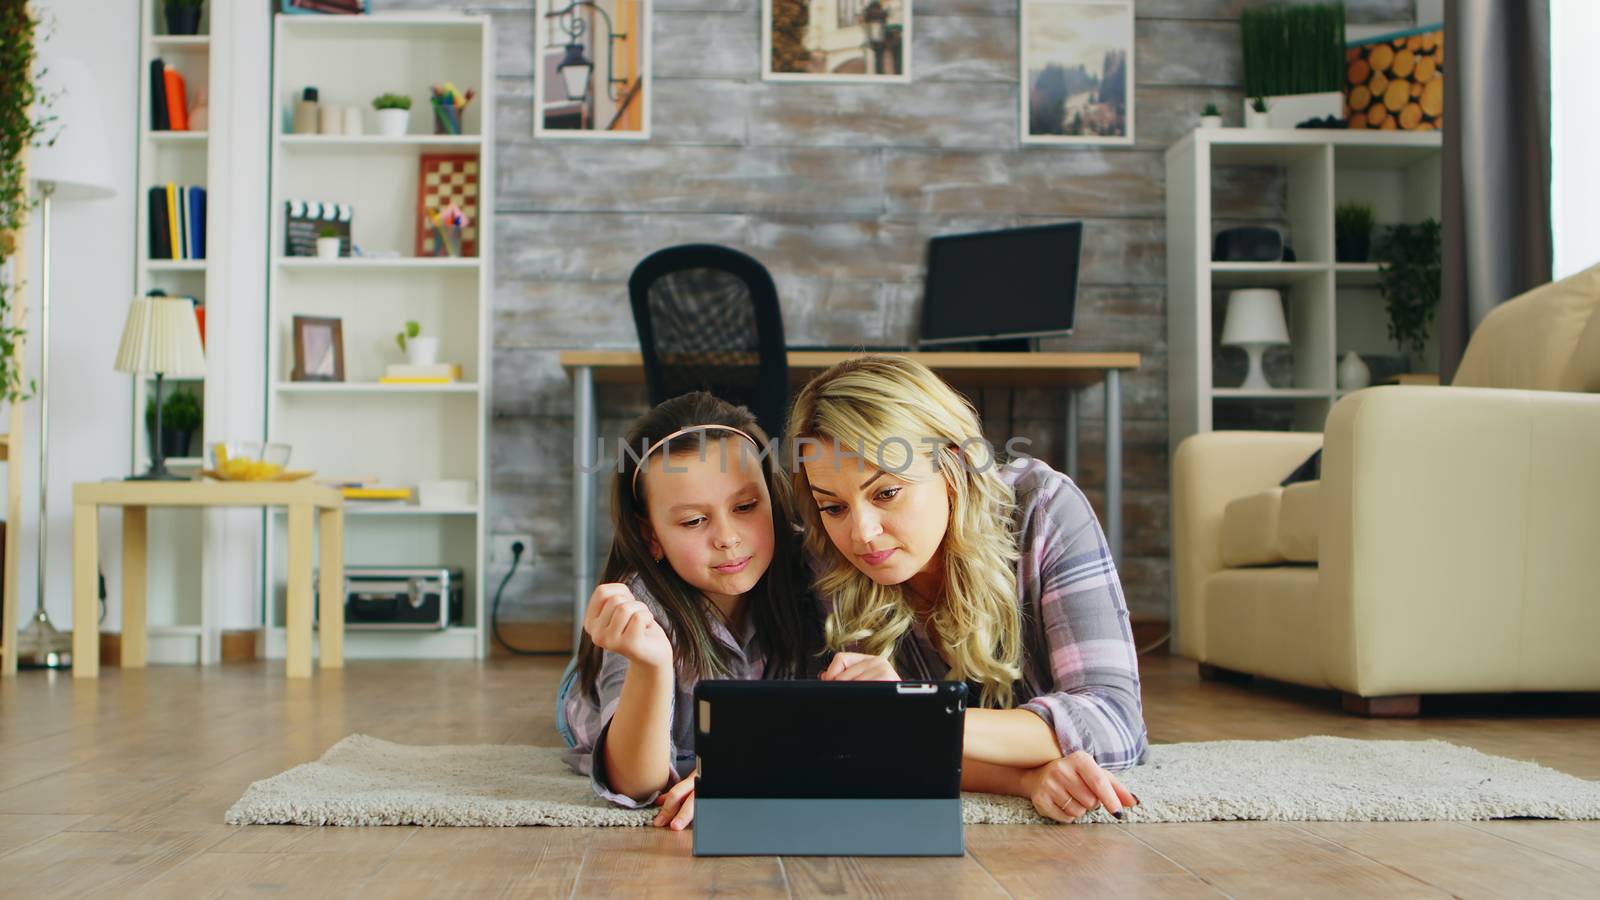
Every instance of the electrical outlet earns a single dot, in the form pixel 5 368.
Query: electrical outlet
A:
pixel 500 548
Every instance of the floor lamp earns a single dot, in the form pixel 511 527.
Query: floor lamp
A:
pixel 73 166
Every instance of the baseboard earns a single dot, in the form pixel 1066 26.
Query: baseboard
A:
pixel 1147 631
pixel 240 646
pixel 110 649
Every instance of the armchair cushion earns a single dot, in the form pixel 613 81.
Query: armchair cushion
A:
pixel 1273 527
pixel 1529 342
pixel 1298 522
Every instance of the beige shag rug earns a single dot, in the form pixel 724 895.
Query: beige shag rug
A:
pixel 365 781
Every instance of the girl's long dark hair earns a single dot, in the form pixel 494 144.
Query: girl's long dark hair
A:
pixel 786 621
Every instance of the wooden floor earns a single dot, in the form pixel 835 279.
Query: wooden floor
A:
pixel 117 787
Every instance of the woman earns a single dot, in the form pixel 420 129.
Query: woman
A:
pixel 935 562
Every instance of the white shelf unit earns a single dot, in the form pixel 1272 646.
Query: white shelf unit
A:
pixel 180 627
pixel 1331 307
pixel 359 428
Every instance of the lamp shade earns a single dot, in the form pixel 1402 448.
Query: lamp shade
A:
pixel 75 158
pixel 1255 316
pixel 161 338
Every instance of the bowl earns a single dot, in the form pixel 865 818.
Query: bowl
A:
pixel 247 460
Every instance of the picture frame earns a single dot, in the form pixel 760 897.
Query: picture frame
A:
pixel 616 99
pixel 836 41
pixel 1076 71
pixel 445 179
pixel 318 349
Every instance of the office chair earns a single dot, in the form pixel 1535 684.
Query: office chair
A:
pixel 708 319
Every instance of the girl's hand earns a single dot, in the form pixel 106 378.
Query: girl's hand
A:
pixel 677 806
pixel 858 667
pixel 1065 789
pixel 617 622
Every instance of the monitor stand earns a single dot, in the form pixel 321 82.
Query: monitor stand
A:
pixel 997 345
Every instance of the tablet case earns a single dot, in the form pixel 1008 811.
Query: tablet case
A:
pixel 812 768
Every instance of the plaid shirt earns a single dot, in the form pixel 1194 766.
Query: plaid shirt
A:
pixel 1080 671
pixel 591 722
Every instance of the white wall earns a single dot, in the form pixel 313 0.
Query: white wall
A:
pixel 91 281
pixel 1574 134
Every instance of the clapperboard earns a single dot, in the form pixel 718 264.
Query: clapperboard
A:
pixel 304 224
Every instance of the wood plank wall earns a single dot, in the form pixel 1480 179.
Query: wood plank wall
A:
pixel 836 188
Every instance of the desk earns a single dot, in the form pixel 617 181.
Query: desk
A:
pixel 1073 371
pixel 136 497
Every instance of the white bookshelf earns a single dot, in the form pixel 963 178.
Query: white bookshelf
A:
pixel 1331 307
pixel 181 628
pixel 359 428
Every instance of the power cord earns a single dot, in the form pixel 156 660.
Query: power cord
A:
pixel 494 613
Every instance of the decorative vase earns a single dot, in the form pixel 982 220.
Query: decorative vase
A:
pixel 1353 372
pixel 422 351
pixel 1210 121
pixel 182 19
pixel 1289 110
pixel 393 122
pixel 352 121
pixel 327 248
pixel 1352 249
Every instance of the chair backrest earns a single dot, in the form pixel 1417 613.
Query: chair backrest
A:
pixel 708 319
pixel 1547 339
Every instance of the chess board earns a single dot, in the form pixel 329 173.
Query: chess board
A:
pixel 443 179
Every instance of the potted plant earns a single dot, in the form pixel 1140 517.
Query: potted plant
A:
pixel 328 243
pixel 183 16
pixel 1294 59
pixel 1211 117
pixel 1408 279
pixel 419 350
pixel 1255 113
pixel 394 114
pixel 1352 231
pixel 19 128
pixel 180 422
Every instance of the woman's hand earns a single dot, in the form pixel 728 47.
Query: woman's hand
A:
pixel 677 805
pixel 1067 788
pixel 858 667
pixel 617 622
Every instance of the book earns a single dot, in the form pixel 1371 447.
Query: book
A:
pixel 391 380
pixel 172 222
pixel 183 221
pixel 197 222
pixel 158 96
pixel 377 493
pixel 160 234
pixel 177 112
pixel 434 371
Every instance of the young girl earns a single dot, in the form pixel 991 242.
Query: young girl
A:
pixel 938 562
pixel 703 581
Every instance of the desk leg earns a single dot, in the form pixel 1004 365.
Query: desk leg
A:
pixel 135 637
pixel 298 614
pixel 1114 463
pixel 1072 432
pixel 330 557
pixel 585 433
pixel 85 605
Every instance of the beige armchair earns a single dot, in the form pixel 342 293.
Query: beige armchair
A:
pixel 1452 545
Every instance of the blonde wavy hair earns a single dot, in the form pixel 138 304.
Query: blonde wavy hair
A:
pixel 888 408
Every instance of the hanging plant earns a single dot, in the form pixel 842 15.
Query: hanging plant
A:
pixel 18 131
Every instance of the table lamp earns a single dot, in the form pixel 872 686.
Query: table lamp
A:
pixel 1254 322
pixel 161 338
pixel 69 163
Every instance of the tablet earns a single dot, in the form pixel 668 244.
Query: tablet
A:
pixel 815 768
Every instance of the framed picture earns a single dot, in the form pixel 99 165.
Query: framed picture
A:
pixel 593 63
pixel 1077 66
pixel 1395 82
pixel 318 349
pixel 836 40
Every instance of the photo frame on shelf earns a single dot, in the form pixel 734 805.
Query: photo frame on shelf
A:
pixel 593 60
pixel 1077 68
pixel 445 180
pixel 836 40
pixel 304 220
pixel 318 349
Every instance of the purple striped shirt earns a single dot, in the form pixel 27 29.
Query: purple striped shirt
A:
pixel 1080 671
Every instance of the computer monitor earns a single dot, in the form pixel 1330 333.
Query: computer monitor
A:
pixel 993 285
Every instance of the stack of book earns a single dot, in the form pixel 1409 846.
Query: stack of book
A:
pixel 178 222
pixel 434 373
pixel 169 108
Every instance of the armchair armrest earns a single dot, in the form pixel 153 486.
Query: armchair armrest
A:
pixel 1459 538
pixel 1208 471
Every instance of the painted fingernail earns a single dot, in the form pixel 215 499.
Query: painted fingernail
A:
pixel 1136 800
pixel 1118 814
